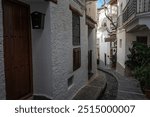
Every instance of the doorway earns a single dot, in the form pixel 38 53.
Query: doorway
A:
pixel 90 52
pixel 142 39
pixel 17 49
pixel 105 59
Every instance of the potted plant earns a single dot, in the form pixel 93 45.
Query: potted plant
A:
pixel 143 75
pixel 139 63
pixel 113 59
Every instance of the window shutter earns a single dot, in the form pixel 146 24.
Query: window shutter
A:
pixel 76 58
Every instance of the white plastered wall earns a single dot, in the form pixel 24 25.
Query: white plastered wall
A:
pixel 52 51
pixel 121 50
pixel 62 50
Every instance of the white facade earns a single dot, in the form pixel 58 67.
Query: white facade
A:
pixel 131 27
pixel 91 7
pixel 104 25
pixel 52 51
pixel 104 47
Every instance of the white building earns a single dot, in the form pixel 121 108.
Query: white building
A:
pixel 134 25
pixel 104 34
pixel 50 61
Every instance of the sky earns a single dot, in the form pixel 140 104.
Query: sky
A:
pixel 99 3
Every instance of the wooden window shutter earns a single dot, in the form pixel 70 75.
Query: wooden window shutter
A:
pixel 76 58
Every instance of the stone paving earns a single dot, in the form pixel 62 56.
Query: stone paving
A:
pixel 128 88
pixel 93 90
pixel 111 89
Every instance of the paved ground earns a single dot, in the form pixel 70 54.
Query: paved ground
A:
pixel 128 88
pixel 109 85
pixel 93 90
pixel 111 89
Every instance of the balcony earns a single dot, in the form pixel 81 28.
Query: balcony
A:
pixel 135 7
pixel 136 13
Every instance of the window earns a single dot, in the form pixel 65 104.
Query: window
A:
pixel 104 23
pixel 142 39
pixel 76 37
pixel 121 7
pixel 120 43
pixel 76 29
pixel 76 58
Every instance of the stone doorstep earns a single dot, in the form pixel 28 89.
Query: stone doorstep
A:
pixel 93 90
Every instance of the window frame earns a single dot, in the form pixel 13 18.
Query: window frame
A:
pixel 76 34
pixel 76 58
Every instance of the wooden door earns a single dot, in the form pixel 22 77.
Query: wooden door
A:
pixel 17 49
pixel 90 64
pixel 105 59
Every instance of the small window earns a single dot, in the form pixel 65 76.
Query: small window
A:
pixel 76 58
pixel 120 43
pixel 89 9
pixel 142 39
pixel 121 8
pixel 76 29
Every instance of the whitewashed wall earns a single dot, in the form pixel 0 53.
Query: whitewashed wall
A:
pixel 2 76
pixel 102 33
pixel 91 8
pixel 52 51
pixel 127 38
pixel 92 46
pixel 121 34
pixel 41 53
pixel 123 2
pixel 104 47
pixel 62 50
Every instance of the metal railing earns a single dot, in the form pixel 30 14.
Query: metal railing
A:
pixel 134 7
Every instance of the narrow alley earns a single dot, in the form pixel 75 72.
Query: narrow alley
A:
pixel 50 49
pixel 121 87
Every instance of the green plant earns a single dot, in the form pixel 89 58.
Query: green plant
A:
pixel 140 54
pixel 113 59
pixel 143 75
pixel 139 63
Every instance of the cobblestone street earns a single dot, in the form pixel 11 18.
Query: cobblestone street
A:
pixel 121 87
pixel 111 89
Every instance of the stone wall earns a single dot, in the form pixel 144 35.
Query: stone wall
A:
pixel 62 50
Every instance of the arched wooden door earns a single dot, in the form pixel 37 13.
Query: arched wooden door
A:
pixel 17 49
